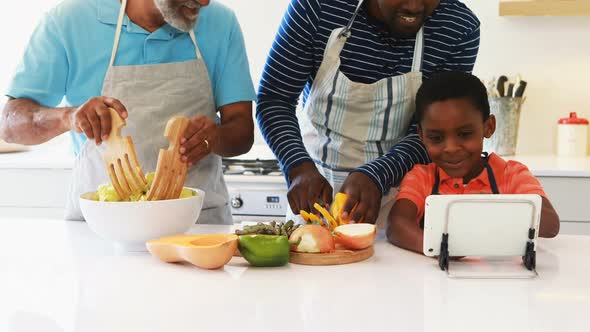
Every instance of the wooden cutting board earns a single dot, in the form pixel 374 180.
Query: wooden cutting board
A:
pixel 337 257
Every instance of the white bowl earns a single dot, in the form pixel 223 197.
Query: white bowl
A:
pixel 130 224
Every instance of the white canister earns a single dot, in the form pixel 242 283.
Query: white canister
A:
pixel 572 136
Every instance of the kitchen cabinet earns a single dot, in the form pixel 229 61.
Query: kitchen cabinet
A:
pixel 39 193
pixel 566 181
pixel 545 8
pixel 35 183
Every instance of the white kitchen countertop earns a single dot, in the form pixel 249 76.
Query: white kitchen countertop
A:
pixel 552 165
pixel 58 276
pixel 46 157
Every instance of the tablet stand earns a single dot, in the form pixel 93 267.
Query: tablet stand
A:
pixel 529 259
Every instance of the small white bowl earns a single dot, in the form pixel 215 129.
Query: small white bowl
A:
pixel 130 224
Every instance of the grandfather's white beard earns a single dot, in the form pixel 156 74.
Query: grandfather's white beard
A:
pixel 173 15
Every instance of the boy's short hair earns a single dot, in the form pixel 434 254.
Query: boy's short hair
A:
pixel 452 85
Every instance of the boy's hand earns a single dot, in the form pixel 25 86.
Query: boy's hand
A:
pixel 364 199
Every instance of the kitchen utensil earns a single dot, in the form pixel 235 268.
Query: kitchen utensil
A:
pixel 572 136
pixel 121 161
pixel 337 257
pixel 491 87
pixel 170 169
pixel 507 112
pixel 208 251
pixel 520 89
pixel 500 85
pixel 510 91
pixel 130 224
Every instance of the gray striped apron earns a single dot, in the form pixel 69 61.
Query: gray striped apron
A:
pixel 346 124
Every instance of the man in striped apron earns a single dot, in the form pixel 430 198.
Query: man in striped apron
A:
pixel 348 126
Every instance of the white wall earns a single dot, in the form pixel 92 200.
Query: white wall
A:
pixel 260 21
pixel 551 53
pixel 17 21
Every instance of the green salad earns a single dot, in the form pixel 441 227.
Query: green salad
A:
pixel 107 193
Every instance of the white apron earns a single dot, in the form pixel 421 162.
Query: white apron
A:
pixel 152 95
pixel 346 124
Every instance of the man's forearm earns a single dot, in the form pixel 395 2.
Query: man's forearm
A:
pixel 280 128
pixel 236 131
pixel 388 170
pixel 24 121
pixel 236 139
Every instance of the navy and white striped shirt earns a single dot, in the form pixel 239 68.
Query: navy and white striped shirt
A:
pixel 451 42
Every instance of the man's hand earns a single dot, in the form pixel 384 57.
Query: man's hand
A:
pixel 200 138
pixel 364 199
pixel 308 187
pixel 94 119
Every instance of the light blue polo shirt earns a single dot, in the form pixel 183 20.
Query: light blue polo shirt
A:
pixel 68 54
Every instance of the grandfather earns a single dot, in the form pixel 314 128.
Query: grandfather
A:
pixel 149 60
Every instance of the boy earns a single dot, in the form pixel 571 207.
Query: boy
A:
pixel 453 117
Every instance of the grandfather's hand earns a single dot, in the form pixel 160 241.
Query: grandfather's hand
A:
pixel 308 187
pixel 94 119
pixel 200 138
pixel 364 199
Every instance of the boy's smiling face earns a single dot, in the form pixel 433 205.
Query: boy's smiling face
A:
pixel 453 131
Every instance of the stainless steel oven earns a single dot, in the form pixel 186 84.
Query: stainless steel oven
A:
pixel 257 189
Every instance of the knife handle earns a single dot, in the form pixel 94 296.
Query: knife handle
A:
pixel 510 91
pixel 500 85
pixel 520 90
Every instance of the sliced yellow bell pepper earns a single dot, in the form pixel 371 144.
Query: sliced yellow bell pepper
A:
pixel 305 215
pixel 332 223
pixel 338 206
pixel 310 218
pixel 313 218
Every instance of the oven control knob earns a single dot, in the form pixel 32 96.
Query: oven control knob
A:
pixel 236 202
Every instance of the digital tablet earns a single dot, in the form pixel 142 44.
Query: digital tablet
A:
pixel 481 225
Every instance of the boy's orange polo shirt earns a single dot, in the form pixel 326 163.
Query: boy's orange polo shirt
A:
pixel 511 176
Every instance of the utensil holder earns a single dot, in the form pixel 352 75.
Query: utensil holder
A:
pixel 507 112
